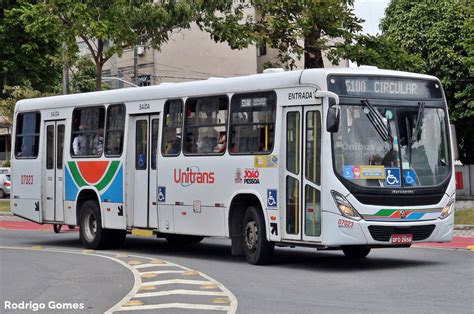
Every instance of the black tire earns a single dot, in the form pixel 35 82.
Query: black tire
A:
pixel 182 239
pixel 71 227
pixel 57 228
pixel 92 235
pixel 2 193
pixel 257 249
pixel 356 252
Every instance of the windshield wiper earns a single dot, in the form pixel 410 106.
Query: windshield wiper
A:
pixel 377 121
pixel 417 130
pixel 419 122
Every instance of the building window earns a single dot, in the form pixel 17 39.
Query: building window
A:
pixel 205 125
pixel 172 124
pixel 143 80
pixel 252 123
pixel 87 138
pixel 114 132
pixel 27 135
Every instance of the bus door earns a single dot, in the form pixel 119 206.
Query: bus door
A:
pixel 143 143
pixel 53 180
pixel 302 168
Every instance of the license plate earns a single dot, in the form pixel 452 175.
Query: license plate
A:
pixel 401 238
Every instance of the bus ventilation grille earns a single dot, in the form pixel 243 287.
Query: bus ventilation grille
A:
pixel 384 233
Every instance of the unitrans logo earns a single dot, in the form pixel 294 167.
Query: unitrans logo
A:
pixel 192 175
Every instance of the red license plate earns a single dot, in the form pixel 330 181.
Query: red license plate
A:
pixel 401 238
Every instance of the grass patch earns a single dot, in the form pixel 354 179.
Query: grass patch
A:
pixel 464 217
pixel 5 206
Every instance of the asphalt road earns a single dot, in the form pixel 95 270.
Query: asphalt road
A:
pixel 411 280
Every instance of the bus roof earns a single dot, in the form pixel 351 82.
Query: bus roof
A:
pixel 254 82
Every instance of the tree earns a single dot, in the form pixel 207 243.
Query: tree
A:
pixel 107 27
pixel 432 37
pixel 295 28
pixel 26 58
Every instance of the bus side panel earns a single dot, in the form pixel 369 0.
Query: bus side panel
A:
pixel 26 189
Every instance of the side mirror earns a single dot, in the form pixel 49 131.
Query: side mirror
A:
pixel 454 140
pixel 332 120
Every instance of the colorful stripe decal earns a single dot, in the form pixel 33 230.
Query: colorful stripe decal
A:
pixel 401 214
pixel 110 179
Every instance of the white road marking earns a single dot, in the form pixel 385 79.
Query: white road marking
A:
pixel 178 291
pixel 176 305
pixel 120 306
pixel 176 281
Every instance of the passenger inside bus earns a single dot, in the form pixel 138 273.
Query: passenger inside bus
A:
pixel 98 142
pixel 79 143
pixel 220 147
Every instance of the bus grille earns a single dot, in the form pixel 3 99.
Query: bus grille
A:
pixel 384 233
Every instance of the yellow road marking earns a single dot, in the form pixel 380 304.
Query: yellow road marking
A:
pixel 88 251
pixel 121 255
pixel 208 286
pixel 133 303
pixel 134 262
pixel 221 300
pixel 156 261
pixel 470 247
pixel 190 273
pixel 147 288
pixel 149 275
pixel 37 247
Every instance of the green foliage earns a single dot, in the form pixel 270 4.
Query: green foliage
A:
pixel 26 57
pixel 83 76
pixel 107 27
pixel 294 28
pixel 13 94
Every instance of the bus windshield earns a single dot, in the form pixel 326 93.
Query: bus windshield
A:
pixel 392 146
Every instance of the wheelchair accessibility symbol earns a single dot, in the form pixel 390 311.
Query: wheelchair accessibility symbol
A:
pixel 410 177
pixel 392 177
pixel 272 198
pixel 161 194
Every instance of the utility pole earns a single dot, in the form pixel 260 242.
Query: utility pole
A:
pixel 65 81
pixel 135 65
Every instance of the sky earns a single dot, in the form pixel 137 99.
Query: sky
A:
pixel 371 11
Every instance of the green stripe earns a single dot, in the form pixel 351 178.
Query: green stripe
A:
pixel 385 212
pixel 108 176
pixel 76 175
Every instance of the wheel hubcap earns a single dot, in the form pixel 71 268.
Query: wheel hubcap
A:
pixel 251 235
pixel 90 226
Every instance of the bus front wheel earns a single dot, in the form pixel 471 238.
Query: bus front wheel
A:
pixel 257 249
pixel 356 252
pixel 92 235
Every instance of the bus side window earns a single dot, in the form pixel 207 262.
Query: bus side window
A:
pixel 27 135
pixel 205 125
pixel 115 129
pixel 172 124
pixel 252 123
pixel 87 132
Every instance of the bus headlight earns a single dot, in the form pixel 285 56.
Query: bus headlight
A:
pixel 447 210
pixel 345 207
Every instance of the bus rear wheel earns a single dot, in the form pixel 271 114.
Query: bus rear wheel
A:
pixel 92 235
pixel 356 252
pixel 257 249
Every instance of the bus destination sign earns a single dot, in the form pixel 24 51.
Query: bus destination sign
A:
pixel 384 87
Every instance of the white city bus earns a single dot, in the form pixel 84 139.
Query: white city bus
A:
pixel 349 159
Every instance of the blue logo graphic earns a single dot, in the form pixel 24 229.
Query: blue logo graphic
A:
pixel 409 177
pixel 161 194
pixel 348 174
pixel 392 177
pixel 272 198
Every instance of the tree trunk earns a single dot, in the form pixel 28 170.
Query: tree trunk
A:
pixel 98 76
pixel 313 56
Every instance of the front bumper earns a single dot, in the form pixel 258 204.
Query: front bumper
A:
pixel 343 231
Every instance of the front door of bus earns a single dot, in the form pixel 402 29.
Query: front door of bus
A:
pixel 143 141
pixel 302 184
pixel 53 209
